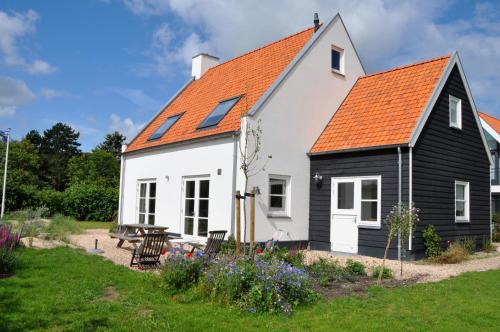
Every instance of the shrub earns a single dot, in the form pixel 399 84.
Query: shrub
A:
pixel 386 272
pixel 60 227
pixel 293 257
pixel 180 273
pixel 51 199
pixel 432 242
pixel 257 285
pixel 87 201
pixel 8 243
pixel 488 246
pixel 355 268
pixel 229 246
pixel 455 253
pixel 326 271
pixel 468 243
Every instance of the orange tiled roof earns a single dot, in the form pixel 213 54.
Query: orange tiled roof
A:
pixel 491 121
pixel 249 75
pixel 382 108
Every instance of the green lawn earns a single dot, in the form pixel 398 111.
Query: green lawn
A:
pixel 94 224
pixel 62 289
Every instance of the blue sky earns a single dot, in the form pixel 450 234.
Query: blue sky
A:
pixel 103 65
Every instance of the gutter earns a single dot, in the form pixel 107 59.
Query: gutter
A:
pixel 370 148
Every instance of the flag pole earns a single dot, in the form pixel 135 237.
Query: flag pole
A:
pixel 5 174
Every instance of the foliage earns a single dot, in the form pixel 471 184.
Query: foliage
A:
pixel 60 227
pixel 456 252
pixel 180 273
pixel 62 289
pixel 229 246
pixel 468 242
pixel 95 224
pixel 8 244
pixel 355 268
pixel 257 285
pixel 293 257
pixel 99 167
pixel 327 272
pixel 382 270
pixel 432 242
pixel 50 199
pixel 87 201
pixel 112 143
pixel 400 221
pixel 488 246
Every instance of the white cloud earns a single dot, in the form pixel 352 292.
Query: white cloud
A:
pixel 147 7
pixel 125 126
pixel 13 94
pixel 137 97
pixel 12 28
pixel 50 94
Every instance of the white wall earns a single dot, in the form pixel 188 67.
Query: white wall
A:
pixel 203 158
pixel 292 120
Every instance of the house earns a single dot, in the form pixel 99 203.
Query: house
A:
pixel 409 134
pixel 491 126
pixel 183 169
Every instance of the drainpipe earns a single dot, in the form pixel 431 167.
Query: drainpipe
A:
pixel 399 197
pixel 122 180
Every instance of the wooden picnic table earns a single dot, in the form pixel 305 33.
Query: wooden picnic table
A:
pixel 134 232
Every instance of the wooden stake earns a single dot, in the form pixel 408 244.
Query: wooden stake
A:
pixel 238 222
pixel 252 219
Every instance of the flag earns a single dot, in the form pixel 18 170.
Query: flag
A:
pixel 3 136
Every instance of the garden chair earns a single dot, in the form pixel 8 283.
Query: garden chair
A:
pixel 213 246
pixel 148 253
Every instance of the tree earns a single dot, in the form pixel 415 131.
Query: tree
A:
pixel 58 145
pixel 112 143
pixel 98 167
pixel 34 138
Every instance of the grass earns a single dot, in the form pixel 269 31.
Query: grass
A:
pixel 65 289
pixel 94 224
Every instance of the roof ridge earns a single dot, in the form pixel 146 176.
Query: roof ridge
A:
pixel 261 47
pixel 407 66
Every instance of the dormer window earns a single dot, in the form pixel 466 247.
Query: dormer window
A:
pixel 219 112
pixel 455 108
pixel 171 120
pixel 337 60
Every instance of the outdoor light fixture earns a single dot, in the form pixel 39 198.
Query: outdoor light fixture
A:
pixel 256 190
pixel 317 178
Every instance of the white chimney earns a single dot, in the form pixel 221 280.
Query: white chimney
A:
pixel 201 63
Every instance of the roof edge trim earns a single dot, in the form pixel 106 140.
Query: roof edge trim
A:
pixel 490 130
pixel 263 99
pixel 369 148
pixel 454 60
pixel 171 100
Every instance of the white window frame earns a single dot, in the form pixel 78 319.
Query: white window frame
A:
pixel 341 71
pixel 196 198
pixel 458 101
pixel 285 212
pixel 466 217
pixel 147 213
pixel 366 223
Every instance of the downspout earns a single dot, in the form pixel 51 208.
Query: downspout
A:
pixel 122 181
pixel 233 188
pixel 410 189
pixel 399 197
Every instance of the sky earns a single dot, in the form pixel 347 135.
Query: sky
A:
pixel 105 65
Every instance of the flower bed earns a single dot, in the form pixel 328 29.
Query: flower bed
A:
pixel 9 242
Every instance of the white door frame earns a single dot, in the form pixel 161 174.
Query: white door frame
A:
pixel 196 198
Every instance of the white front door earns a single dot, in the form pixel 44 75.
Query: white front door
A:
pixel 196 196
pixel 345 216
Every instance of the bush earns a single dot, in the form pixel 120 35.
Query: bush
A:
pixel 51 199
pixel 180 273
pixel 386 272
pixel 9 241
pixel 229 246
pixel 488 246
pixel 432 242
pixel 468 243
pixel 60 227
pixel 455 253
pixel 87 201
pixel 257 285
pixel 326 272
pixel 293 257
pixel 355 268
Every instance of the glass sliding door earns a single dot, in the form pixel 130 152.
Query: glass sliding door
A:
pixel 196 206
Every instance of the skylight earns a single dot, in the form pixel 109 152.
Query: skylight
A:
pixel 219 112
pixel 164 127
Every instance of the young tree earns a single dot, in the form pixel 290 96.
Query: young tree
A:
pixel 112 143
pixel 401 221
pixel 58 145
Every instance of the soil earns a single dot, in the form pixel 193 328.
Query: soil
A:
pixel 110 294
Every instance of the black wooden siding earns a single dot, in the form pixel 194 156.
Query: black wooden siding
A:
pixel 364 163
pixel 443 155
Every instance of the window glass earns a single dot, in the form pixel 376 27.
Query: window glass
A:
pixel 345 198
pixel 461 201
pixel 336 60
pixel 455 111
pixel 196 207
pixel 169 122
pixel 369 200
pixel 190 189
pixel 203 227
pixel 204 188
pixel 218 113
pixel 188 226
pixel 369 211
pixel 369 189
pixel 277 194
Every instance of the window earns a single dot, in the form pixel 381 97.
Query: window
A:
pixel 337 60
pixel 146 202
pixel 345 197
pixel 219 112
pixel 196 203
pixel 461 201
pixel 369 200
pixel 455 108
pixel 164 127
pixel 279 195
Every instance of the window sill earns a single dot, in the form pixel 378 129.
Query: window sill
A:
pixel 464 221
pixel 370 226
pixel 455 127
pixel 279 216
pixel 338 72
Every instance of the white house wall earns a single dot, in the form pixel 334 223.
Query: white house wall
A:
pixel 291 121
pixel 168 166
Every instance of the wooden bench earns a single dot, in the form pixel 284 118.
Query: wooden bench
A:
pixel 123 237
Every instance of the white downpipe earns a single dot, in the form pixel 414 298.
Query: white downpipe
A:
pixel 399 197
pixel 410 189
pixel 122 180
pixel 5 174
